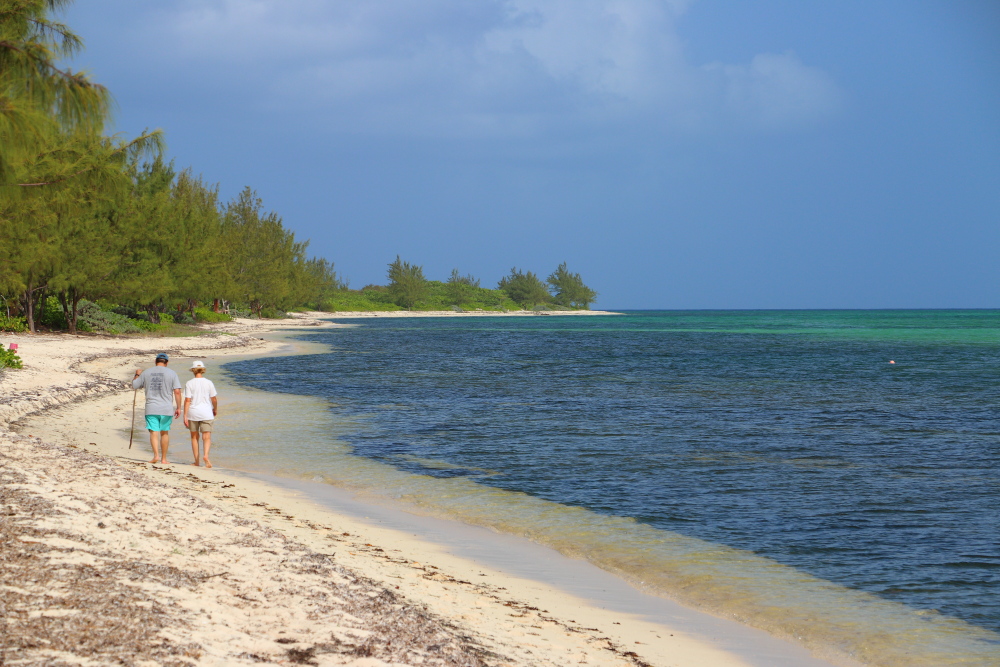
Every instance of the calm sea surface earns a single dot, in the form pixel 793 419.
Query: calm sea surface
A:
pixel 773 466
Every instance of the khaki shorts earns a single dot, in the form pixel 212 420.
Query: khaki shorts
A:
pixel 204 427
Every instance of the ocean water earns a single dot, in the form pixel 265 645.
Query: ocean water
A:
pixel 770 466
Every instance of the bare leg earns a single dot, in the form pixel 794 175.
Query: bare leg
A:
pixel 207 439
pixel 154 442
pixel 194 447
pixel 164 443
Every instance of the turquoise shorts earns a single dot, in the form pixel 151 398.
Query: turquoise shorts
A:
pixel 159 422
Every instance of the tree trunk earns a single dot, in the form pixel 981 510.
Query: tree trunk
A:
pixel 68 304
pixel 29 310
pixel 153 310
pixel 30 305
pixel 74 312
pixel 215 306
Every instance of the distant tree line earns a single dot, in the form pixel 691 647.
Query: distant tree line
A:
pixel 409 288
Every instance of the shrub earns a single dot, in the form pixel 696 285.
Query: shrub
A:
pixel 13 324
pixel 269 313
pixel 145 325
pixel 371 298
pixel 210 316
pixel 177 317
pixel 127 311
pixel 9 359
pixel 92 318
pixel 52 315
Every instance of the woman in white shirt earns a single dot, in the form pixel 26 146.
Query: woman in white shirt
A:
pixel 200 408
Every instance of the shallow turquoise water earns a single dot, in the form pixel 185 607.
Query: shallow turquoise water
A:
pixel 772 465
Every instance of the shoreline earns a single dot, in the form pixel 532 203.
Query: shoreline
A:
pixel 515 620
pixel 355 314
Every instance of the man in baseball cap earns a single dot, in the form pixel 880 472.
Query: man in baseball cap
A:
pixel 163 403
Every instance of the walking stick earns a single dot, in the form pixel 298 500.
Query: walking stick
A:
pixel 131 431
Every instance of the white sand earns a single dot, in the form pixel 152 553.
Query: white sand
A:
pixel 107 559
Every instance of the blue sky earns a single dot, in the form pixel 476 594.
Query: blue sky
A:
pixel 676 153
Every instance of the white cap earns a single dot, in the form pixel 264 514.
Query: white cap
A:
pixel 197 364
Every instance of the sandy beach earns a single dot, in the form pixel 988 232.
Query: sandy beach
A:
pixel 107 559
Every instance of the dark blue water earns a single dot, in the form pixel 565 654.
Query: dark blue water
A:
pixel 788 433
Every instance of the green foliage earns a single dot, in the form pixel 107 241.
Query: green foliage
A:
pixel 366 300
pixel 142 325
pixel 441 296
pixel 207 315
pixel 12 324
pixel 461 289
pixel 568 289
pixel 551 307
pixel 378 298
pixel 9 359
pixel 407 284
pixel 52 315
pixel 241 312
pixel 524 288
pixel 38 98
pixel 271 313
pixel 92 318
pixel 319 283
pixel 265 259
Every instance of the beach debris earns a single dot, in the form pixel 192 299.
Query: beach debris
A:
pixel 303 656
pixel 126 605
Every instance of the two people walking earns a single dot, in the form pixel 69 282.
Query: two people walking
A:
pixel 164 404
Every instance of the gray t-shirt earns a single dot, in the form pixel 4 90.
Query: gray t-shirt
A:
pixel 160 383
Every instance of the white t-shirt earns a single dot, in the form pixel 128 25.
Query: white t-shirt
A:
pixel 200 391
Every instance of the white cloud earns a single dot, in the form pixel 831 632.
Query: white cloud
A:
pixel 498 66
pixel 778 90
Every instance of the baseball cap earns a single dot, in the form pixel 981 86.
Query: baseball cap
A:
pixel 197 364
pixel 162 356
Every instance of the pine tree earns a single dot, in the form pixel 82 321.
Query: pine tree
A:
pixel 407 284
pixel 320 282
pixel 524 288
pixel 460 289
pixel 568 289
pixel 52 239
pixel 38 99
pixel 262 253
pixel 197 266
